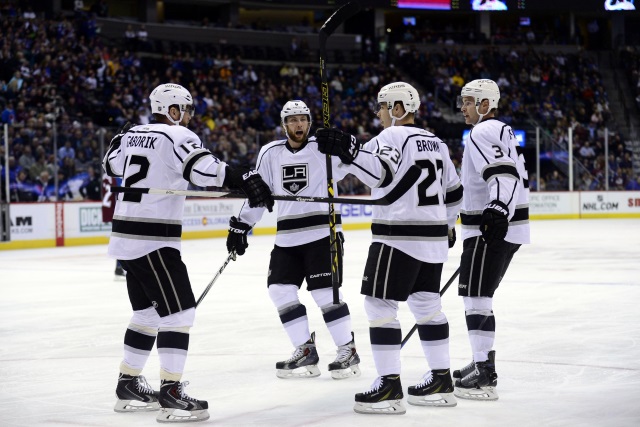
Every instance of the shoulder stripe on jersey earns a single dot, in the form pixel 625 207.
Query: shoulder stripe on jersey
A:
pixel 153 131
pixel 149 229
pixel 500 169
pixel 178 155
pixel 305 222
pixel 477 148
pixel 267 150
pixel 188 166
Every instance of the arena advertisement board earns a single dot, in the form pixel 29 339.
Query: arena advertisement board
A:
pixel 31 223
pixel 610 204
pixel 553 205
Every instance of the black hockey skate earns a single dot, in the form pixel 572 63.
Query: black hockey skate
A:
pixel 346 363
pixel 480 383
pixel 384 398
pixel 463 372
pixel 435 389
pixel 177 407
pixel 135 394
pixel 302 364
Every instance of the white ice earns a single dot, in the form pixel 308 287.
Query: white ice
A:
pixel 568 338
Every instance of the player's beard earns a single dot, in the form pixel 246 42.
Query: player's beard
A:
pixel 298 136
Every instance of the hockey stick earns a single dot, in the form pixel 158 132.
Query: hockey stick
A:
pixel 404 185
pixel 232 256
pixel 337 18
pixel 446 286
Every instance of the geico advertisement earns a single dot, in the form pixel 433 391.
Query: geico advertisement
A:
pixel 31 221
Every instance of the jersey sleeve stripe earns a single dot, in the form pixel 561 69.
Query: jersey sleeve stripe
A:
pixel 453 195
pixel 191 161
pixel 473 218
pixel 499 169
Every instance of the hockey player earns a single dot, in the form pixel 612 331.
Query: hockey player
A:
pixel 495 222
pixel 146 239
pixel 410 243
pixel 108 207
pixel 301 252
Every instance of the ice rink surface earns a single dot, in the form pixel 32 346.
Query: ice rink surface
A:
pixel 568 338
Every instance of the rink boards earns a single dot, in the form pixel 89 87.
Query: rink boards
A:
pixel 35 225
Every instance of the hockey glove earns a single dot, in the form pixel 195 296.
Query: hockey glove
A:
pixel 117 140
pixel 251 183
pixel 337 143
pixel 494 222
pixel 237 237
pixel 452 237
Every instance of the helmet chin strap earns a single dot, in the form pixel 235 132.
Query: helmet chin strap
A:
pixel 177 123
pixel 480 115
pixel 394 118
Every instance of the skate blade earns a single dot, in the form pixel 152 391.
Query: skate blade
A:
pixel 119 278
pixel 438 399
pixel 310 371
pixel 350 372
pixel 135 406
pixel 484 393
pixel 172 415
pixel 388 407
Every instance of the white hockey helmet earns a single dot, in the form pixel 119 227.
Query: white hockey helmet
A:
pixel 293 108
pixel 168 94
pixel 479 90
pixel 400 92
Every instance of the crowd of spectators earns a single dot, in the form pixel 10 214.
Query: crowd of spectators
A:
pixel 555 91
pixel 61 83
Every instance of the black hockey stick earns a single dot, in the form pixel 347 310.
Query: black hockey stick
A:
pixel 446 286
pixel 232 256
pixel 405 183
pixel 337 18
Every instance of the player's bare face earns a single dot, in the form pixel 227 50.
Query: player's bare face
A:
pixel 186 118
pixel 384 114
pixel 469 110
pixel 298 128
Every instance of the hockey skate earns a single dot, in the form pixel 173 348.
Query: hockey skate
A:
pixel 135 394
pixel 384 398
pixel 435 389
pixel 177 407
pixel 463 372
pixel 346 363
pixel 480 383
pixel 302 364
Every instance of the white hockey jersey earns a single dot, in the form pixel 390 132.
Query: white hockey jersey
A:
pixel 301 172
pixel 493 169
pixel 418 222
pixel 161 156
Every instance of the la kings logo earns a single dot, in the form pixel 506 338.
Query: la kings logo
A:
pixel 295 178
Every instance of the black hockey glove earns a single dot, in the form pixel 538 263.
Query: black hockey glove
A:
pixel 117 140
pixel 251 183
pixel 452 237
pixel 237 237
pixel 494 222
pixel 337 143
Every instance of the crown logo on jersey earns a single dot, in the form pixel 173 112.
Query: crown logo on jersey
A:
pixel 295 178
